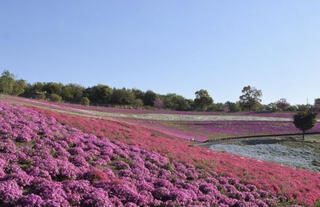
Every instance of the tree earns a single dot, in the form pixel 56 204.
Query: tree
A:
pixel 303 107
pixel 283 104
pixel 218 107
pixel 122 97
pixel 232 107
pixel 250 98
pixel 55 97
pixel 202 100
pixel 53 88
pixel 99 94
pixel 6 82
pixel 305 120
pixel 137 103
pixel 176 102
pixel 149 98
pixel 85 101
pixel 19 87
pixel 72 93
pixel 138 93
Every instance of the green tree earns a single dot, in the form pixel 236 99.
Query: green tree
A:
pixel 176 102
pixel 233 107
pixel 303 107
pixel 85 101
pixel 19 87
pixel 7 82
pixel 99 94
pixel 53 88
pixel 72 93
pixel 202 100
pixel 138 93
pixel 35 91
pixel 137 103
pixel 55 97
pixel 149 98
pixel 122 97
pixel 250 98
pixel 305 120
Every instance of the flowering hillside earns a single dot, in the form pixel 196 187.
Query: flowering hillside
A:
pixel 45 163
pixel 300 185
pixel 211 130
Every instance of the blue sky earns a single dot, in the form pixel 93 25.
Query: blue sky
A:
pixel 168 45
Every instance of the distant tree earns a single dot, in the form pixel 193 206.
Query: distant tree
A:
pixel 292 108
pixel 85 101
pixel 39 95
pixel 137 103
pixel 202 100
pixel 19 87
pixel 149 98
pixel 305 120
pixel 55 97
pixel 72 93
pixel 138 93
pixel 304 107
pixel 233 107
pixel 99 94
pixel 33 91
pixel 218 107
pixel 53 88
pixel 250 98
pixel 176 102
pixel 122 97
pixel 283 104
pixel 7 82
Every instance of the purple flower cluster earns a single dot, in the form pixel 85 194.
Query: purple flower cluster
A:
pixel 45 163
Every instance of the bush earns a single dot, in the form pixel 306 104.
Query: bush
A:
pixel 55 97
pixel 85 101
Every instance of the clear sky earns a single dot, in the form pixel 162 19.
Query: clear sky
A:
pixel 168 46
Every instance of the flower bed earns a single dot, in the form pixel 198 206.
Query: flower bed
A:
pixel 208 130
pixel 45 163
pixel 301 185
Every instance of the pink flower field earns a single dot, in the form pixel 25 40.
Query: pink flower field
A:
pixel 212 130
pixel 45 163
pixel 301 186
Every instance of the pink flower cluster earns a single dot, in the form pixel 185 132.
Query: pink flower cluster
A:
pixel 45 163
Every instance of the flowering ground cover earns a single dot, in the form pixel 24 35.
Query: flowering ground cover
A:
pixel 45 163
pixel 211 130
pixel 300 185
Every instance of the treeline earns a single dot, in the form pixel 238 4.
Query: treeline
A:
pixel 103 95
